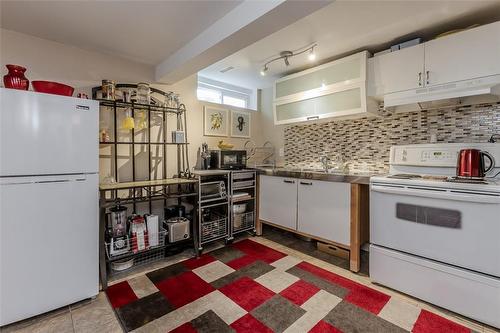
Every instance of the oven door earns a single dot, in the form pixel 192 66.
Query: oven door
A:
pixel 461 228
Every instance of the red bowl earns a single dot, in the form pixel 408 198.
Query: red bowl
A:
pixel 50 87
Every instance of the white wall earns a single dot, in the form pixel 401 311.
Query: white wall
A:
pixel 52 61
pixel 272 133
pixel 48 60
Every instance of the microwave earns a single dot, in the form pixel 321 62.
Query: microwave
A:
pixel 228 159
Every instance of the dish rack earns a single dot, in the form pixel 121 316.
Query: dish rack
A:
pixel 263 156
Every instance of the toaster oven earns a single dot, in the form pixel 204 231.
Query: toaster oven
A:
pixel 213 190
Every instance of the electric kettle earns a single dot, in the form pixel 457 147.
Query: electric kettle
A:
pixel 471 164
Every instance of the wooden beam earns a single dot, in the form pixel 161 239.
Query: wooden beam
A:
pixel 355 258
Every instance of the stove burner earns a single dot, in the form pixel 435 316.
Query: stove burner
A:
pixel 466 180
pixel 404 176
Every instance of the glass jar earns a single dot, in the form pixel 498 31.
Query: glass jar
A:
pixel 143 93
pixel 108 90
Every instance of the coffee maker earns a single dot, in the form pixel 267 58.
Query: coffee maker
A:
pixel 204 157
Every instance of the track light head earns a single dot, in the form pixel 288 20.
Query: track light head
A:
pixel 312 54
pixel 264 70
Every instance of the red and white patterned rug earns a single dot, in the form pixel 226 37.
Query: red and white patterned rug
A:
pixel 249 287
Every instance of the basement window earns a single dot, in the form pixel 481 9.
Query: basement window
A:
pixel 223 93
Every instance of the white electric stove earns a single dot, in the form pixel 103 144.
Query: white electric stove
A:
pixel 434 237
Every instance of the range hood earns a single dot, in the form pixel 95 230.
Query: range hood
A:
pixel 480 90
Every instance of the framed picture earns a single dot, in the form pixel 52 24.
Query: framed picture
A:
pixel 240 124
pixel 216 121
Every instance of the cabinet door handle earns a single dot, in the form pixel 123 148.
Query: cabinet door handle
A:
pixel 427 74
pixel 289 181
pixel 306 183
pixel 420 78
pixel 312 117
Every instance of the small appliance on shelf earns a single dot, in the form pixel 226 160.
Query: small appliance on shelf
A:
pixel 228 159
pixel 178 229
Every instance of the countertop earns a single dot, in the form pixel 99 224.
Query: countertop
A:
pixel 353 178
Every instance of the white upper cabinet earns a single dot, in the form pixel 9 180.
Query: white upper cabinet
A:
pixel 334 89
pixel 396 71
pixel 467 55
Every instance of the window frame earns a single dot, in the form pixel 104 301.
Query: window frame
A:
pixel 225 90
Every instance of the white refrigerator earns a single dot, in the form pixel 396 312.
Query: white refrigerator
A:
pixel 48 202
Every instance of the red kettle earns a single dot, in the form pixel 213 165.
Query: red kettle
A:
pixel 471 164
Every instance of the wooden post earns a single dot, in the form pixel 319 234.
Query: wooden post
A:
pixel 359 223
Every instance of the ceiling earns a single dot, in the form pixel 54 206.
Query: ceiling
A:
pixel 345 27
pixel 143 31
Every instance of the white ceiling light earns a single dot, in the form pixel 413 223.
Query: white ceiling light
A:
pixel 264 70
pixel 312 54
pixel 286 55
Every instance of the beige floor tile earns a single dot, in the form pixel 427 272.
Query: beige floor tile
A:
pixel 322 301
pixel 400 313
pixel 488 329
pixel 60 323
pixel 96 316
pixel 286 262
pixel 277 280
pixel 142 286
pixel 317 307
pixel 213 271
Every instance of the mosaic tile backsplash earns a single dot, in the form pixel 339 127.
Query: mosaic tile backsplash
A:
pixel 362 145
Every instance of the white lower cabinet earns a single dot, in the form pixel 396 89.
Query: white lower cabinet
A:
pixel 324 210
pixel 278 201
pixel 318 208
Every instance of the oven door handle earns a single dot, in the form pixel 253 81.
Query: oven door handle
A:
pixel 455 195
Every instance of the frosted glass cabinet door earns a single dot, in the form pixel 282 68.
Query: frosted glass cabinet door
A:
pixel 326 75
pixel 335 104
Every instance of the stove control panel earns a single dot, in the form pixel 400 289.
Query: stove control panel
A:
pixel 424 156
pixel 438 155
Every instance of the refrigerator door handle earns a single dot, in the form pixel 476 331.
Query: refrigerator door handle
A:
pixel 52 179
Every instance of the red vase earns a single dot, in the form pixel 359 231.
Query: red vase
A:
pixel 15 79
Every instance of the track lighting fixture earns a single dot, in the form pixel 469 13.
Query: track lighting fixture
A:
pixel 312 55
pixel 264 70
pixel 286 55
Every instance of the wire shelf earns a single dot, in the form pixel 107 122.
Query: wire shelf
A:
pixel 143 258
pixel 243 221
pixel 125 249
pixel 214 229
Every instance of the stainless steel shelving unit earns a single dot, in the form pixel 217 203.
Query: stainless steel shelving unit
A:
pixel 243 181
pixel 213 210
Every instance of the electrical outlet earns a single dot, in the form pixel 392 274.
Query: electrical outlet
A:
pixel 282 152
